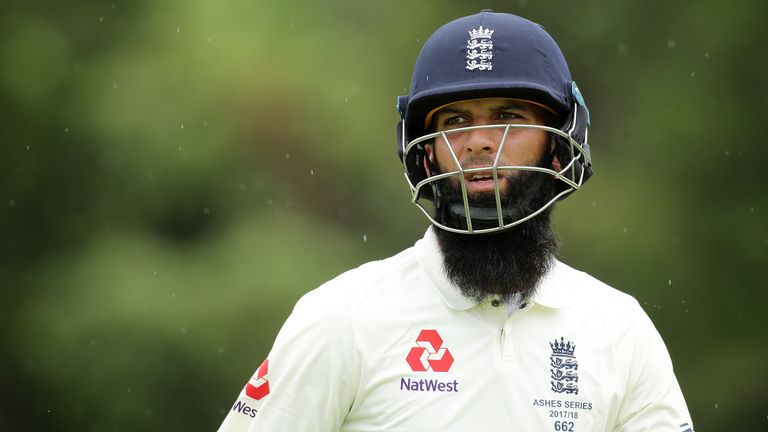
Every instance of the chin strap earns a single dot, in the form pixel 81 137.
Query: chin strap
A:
pixel 482 217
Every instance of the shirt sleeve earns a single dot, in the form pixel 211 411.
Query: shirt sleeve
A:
pixel 308 381
pixel 653 401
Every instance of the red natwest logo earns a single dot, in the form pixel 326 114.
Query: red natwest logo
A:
pixel 258 386
pixel 428 353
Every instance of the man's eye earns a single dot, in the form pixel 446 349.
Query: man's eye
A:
pixel 506 115
pixel 456 120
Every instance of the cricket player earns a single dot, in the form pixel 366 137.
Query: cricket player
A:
pixel 477 327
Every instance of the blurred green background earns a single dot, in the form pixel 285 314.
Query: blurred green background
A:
pixel 176 174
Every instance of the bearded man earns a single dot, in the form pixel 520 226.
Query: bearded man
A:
pixel 477 326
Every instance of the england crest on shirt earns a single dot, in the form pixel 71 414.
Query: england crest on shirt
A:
pixel 564 367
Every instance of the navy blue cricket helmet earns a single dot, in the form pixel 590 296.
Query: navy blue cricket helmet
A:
pixel 490 55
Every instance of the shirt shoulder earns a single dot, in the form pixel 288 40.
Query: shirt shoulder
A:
pixel 365 286
pixel 577 288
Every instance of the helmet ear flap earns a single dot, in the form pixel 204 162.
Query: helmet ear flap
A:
pixel 402 136
pixel 413 161
pixel 400 140
pixel 575 126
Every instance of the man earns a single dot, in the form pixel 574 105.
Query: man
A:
pixel 478 326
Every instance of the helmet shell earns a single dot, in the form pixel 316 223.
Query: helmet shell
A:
pixel 525 63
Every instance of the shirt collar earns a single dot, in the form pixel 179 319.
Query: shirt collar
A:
pixel 555 288
pixel 431 258
pixel 551 292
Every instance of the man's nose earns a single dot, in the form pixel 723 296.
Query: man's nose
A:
pixel 484 139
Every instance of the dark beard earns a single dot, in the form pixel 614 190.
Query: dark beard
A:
pixel 505 263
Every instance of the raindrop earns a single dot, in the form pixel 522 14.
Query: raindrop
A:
pixel 27 147
pixel 693 74
pixel 178 30
pixel 114 85
pixel 182 125
pixel 206 210
pixel 752 209
pixel 101 19
pixel 365 238
pixel 671 43
pixel 682 301
pixel 669 282
pixel 129 390
pixel 154 272
pixel 113 6
pixel 66 129
pixel 311 172
pixel 287 155
pixel 727 153
pixel 706 55
pixel 209 40
pixel 173 296
pixel 717 406
pixel 179 147
pixel 346 99
pixel 625 230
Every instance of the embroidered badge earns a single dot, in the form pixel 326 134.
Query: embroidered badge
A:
pixel 564 367
pixel 480 49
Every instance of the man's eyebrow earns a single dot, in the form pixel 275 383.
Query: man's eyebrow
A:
pixel 452 110
pixel 508 105
pixel 501 107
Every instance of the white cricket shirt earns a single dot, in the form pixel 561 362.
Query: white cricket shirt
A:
pixel 394 346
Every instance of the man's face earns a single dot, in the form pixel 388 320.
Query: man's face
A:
pixel 478 148
pixel 512 261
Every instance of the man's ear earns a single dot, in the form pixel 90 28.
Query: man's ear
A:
pixel 556 165
pixel 429 151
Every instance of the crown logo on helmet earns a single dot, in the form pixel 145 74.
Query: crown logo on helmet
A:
pixel 481 33
pixel 480 49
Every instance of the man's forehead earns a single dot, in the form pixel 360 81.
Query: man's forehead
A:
pixel 480 104
pixel 486 104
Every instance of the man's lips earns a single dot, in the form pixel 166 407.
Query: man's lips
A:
pixel 482 181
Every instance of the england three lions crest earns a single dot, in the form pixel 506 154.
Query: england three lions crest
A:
pixel 480 49
pixel 564 367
